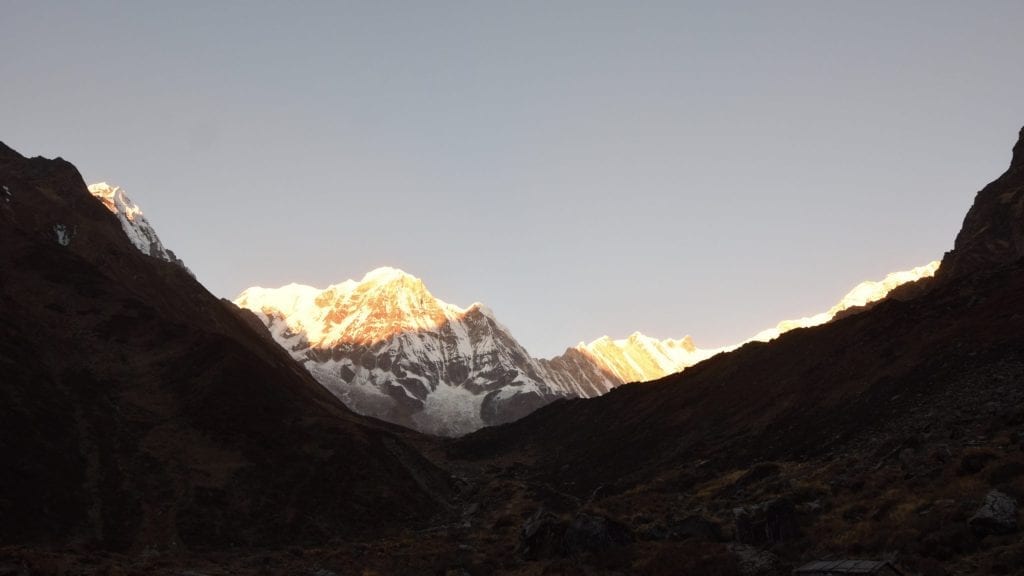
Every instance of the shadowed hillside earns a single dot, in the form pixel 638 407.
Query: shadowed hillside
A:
pixel 137 411
pixel 883 432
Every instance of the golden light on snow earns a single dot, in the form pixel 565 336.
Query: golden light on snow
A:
pixel 114 199
pixel 861 295
pixel 386 302
pixel 641 358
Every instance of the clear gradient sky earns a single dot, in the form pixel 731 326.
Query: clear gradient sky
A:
pixel 583 168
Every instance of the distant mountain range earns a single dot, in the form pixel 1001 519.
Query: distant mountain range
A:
pixel 389 349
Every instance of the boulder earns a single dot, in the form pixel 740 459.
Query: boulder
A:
pixel 541 536
pixel 753 561
pixel 771 521
pixel 591 533
pixel 545 535
pixel 998 515
pixel 974 462
pixel 694 526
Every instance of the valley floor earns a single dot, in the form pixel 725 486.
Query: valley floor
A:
pixel 906 492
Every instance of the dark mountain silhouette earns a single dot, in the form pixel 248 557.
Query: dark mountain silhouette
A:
pixel 993 230
pixel 139 412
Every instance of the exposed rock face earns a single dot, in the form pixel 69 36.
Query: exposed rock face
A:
pixel 998 515
pixel 577 373
pixel 772 521
pixel 753 561
pixel 696 527
pixel 592 533
pixel 993 230
pixel 541 536
pixel 389 349
pixel 133 222
pixel 593 369
pixel 545 535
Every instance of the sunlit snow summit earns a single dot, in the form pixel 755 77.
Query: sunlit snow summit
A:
pixel 390 349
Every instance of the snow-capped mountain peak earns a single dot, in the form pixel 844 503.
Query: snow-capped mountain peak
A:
pixel 386 302
pixel 388 348
pixel 133 222
pixel 639 357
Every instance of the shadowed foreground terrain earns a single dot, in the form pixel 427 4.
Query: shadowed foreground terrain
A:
pixel 141 413
pixel 152 430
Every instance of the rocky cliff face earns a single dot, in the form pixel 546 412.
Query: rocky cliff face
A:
pixel 589 370
pixel 993 230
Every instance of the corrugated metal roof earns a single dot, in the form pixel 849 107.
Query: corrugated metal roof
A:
pixel 842 566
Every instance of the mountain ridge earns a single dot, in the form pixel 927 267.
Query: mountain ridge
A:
pixel 389 348
pixel 142 413
pixel 881 434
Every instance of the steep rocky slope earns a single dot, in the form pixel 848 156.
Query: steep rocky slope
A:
pixel 138 412
pixel 892 433
pixel 993 230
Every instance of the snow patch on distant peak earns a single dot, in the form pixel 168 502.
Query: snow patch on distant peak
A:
pixel 865 293
pixel 62 234
pixel 133 222
pixel 639 358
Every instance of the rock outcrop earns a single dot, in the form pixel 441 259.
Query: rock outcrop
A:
pixel 998 515
pixel 993 230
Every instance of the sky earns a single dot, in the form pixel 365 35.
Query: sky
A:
pixel 583 168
